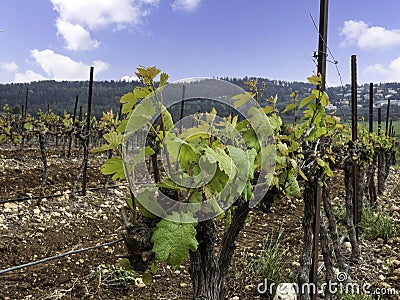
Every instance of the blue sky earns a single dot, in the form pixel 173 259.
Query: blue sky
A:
pixel 61 39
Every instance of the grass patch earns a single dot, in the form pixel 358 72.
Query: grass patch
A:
pixel 116 275
pixel 272 263
pixel 340 214
pixel 378 225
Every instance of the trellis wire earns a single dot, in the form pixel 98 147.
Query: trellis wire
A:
pixel 44 260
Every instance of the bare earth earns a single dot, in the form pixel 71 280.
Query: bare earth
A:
pixel 29 232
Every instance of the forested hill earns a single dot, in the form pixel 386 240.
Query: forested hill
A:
pixel 60 96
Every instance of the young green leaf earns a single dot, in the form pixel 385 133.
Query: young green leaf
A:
pixel 113 166
pixel 275 121
pixel 172 240
pixel 305 101
pixel 315 79
pixel 163 79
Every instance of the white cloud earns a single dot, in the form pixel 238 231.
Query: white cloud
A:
pixel 78 18
pixel 129 78
pixel 28 76
pixel 9 66
pixel 60 67
pixel 186 5
pixel 384 73
pixel 365 37
pixel 76 37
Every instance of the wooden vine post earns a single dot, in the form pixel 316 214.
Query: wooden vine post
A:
pixel 354 124
pixel 86 140
pixel 387 117
pixel 372 168
pixel 371 108
pixel 317 191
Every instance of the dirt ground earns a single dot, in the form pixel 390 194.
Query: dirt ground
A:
pixel 29 232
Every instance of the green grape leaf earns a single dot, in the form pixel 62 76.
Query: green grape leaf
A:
pixel 244 163
pixel 172 240
pixel 105 147
pixel 320 162
pixel 224 161
pixel 298 132
pixel 113 166
pixel 28 126
pixel 291 186
pixel 294 146
pixel 188 156
pixel 131 98
pixel 283 148
pixel 315 79
pixel 289 107
pixel 307 100
pixel 147 73
pixel 328 170
pixel 275 121
pixel 167 119
pixel 267 109
pixel 114 138
pixel 250 139
pixel 122 125
pixel 218 182
pixel 196 197
pixel 142 114
pixel 324 99
pixel 163 79
pixel 320 132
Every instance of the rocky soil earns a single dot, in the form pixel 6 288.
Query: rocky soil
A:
pixel 29 232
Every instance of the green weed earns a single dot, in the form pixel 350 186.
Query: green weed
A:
pixel 378 225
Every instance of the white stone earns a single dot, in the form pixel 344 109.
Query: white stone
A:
pixel 10 206
pixel 296 264
pixel 396 262
pixel 139 282
pixel 248 288
pixel 395 208
pixel 118 193
pixel 347 245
